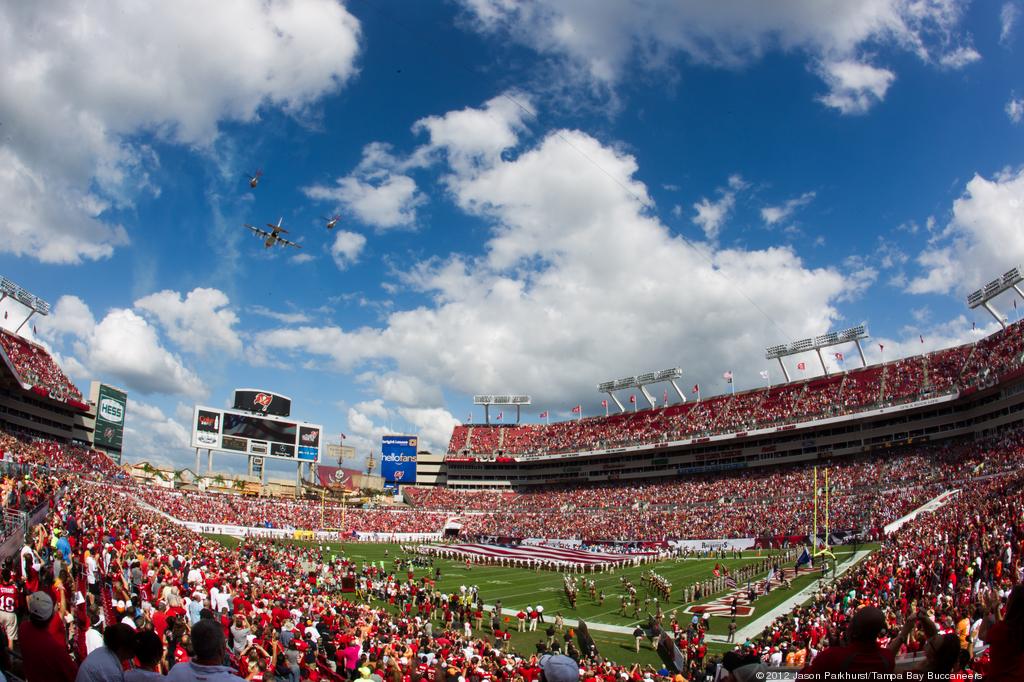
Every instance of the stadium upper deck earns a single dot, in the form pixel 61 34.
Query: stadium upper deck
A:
pixel 36 369
pixel 950 372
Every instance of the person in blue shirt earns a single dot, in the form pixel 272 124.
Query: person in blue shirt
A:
pixel 64 547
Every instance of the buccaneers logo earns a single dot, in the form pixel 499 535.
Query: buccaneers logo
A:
pixel 263 400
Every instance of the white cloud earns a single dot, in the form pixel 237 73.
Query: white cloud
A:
pixel 1007 20
pixel 70 316
pixel 199 322
pixel 82 83
pixel 346 248
pixel 300 258
pixel 368 421
pixel 602 46
pixel 854 87
pixel 376 191
pixel 152 436
pixel 984 238
pixel 711 215
pixel 296 317
pixel 125 346
pixel 578 281
pixel 473 139
pixel 960 57
pixel 122 348
pixel 776 214
pixel 1015 109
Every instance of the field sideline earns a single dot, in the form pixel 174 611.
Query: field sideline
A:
pixel 518 588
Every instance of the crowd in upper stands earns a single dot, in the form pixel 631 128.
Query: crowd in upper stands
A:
pixel 36 367
pixel 905 380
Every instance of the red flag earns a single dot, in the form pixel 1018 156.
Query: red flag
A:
pixel 501 415
pixel 665 397
pixel 577 409
pixel 881 346
pixel 839 357
pixel 632 398
pixel 604 403
pixel 801 366
pixel 544 414
pixel 696 388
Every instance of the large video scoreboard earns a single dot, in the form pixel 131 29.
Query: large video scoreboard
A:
pixel 248 434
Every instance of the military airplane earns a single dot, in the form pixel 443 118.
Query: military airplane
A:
pixel 273 237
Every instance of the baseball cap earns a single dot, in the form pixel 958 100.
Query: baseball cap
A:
pixel 40 605
pixel 560 668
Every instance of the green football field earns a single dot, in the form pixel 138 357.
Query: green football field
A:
pixel 517 588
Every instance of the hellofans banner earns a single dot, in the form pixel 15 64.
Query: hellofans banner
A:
pixel 398 460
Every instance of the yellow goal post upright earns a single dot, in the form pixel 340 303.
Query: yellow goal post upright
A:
pixel 825 550
pixel 344 507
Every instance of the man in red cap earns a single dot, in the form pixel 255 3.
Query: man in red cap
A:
pixel 45 658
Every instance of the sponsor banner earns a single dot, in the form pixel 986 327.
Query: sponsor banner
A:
pixel 398 460
pixel 704 545
pixel 236 444
pixel 208 440
pixel 395 537
pixel 282 450
pixel 208 422
pixel 257 447
pixel 110 411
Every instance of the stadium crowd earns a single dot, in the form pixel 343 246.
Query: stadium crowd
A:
pixel 936 373
pixel 942 585
pixel 36 367
pixel 108 584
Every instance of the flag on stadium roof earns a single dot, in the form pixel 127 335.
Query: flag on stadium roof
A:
pixel 801 366
pixel 728 377
pixel 839 358
pixel 764 374
pixel 696 388
pixel 632 398
pixel 544 414
pixel 577 409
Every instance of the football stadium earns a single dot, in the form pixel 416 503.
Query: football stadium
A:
pixel 732 292
pixel 760 522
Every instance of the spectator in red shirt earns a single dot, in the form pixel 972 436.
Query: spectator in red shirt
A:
pixel 45 658
pixel 862 654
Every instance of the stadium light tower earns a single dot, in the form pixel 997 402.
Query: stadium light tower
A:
pixel 642 381
pixel 852 335
pixel 513 400
pixel 983 297
pixel 29 300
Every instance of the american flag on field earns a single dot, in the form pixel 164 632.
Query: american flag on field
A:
pixel 730 582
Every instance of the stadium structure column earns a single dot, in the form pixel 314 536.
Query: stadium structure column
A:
pixel 209 461
pixel 197 461
pixel 616 400
pixel 860 349
pixel 822 361
pixel 647 394
pixel 785 372
pixel 682 396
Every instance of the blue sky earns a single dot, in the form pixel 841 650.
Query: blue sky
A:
pixel 535 196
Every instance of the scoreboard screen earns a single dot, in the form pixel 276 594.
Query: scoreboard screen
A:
pixel 229 431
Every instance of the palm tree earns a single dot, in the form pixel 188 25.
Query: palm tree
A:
pixel 177 477
pixel 219 480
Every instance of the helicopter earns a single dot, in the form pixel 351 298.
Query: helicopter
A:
pixel 332 221
pixel 254 178
pixel 272 238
